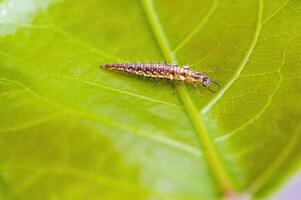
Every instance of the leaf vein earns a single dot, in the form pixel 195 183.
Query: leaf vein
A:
pixel 257 116
pixel 276 164
pixel 198 28
pixel 242 65
pixel 276 12
pixel 114 89
pixel 95 117
pixel 13 92
pixel 208 148
pixel 32 123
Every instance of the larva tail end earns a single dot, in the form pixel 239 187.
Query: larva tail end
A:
pixel 104 66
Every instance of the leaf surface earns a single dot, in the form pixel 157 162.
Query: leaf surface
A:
pixel 70 130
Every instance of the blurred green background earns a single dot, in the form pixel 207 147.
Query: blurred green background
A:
pixel 70 130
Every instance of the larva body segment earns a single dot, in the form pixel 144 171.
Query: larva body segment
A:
pixel 163 71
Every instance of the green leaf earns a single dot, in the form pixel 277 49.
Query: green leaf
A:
pixel 70 130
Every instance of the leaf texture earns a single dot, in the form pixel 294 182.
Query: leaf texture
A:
pixel 69 130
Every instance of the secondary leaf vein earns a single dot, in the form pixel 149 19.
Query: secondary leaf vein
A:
pixel 257 116
pixel 114 89
pixel 243 63
pixel 96 117
pixel 198 28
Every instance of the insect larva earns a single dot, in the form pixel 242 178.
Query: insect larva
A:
pixel 166 71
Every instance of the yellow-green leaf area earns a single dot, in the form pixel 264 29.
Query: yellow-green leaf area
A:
pixel 70 130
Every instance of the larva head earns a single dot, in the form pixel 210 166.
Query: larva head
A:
pixel 206 81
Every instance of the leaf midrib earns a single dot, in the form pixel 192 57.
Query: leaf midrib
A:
pixel 208 148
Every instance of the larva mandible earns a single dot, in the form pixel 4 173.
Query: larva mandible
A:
pixel 166 71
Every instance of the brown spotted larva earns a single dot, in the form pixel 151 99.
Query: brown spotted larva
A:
pixel 166 71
